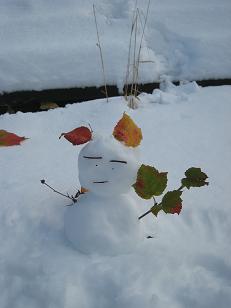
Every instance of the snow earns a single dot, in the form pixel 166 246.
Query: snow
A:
pixel 169 93
pixel 52 43
pixel 185 264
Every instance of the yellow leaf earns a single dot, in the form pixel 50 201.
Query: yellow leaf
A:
pixel 48 105
pixel 127 132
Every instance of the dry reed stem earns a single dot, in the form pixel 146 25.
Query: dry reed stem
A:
pixel 133 50
pixel 141 41
pixel 129 52
pixel 101 53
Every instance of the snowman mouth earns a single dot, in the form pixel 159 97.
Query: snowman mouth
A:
pixel 100 182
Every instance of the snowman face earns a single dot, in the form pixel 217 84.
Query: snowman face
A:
pixel 107 167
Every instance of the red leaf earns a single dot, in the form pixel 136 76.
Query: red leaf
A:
pixel 9 139
pixel 177 209
pixel 79 135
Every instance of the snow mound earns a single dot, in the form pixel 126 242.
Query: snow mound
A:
pixel 170 93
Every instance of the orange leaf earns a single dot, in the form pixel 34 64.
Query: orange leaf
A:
pixel 79 135
pixel 9 139
pixel 127 131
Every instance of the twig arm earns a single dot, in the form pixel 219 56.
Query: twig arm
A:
pixel 73 198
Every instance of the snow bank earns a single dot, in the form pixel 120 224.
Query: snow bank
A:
pixel 52 44
pixel 186 264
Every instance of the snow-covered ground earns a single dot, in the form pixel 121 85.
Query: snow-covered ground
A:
pixel 186 264
pixel 52 43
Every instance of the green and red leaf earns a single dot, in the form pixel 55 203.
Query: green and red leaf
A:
pixel 79 135
pixel 150 182
pixel 10 139
pixel 177 209
pixel 172 202
pixel 194 178
pixel 156 209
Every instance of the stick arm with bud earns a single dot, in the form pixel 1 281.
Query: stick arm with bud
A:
pixel 73 198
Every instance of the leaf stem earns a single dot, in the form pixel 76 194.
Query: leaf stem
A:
pixel 155 202
pixel 149 211
pixel 146 213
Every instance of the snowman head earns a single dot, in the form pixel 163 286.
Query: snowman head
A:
pixel 108 165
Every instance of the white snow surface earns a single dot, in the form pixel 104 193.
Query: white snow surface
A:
pixel 52 43
pixel 186 264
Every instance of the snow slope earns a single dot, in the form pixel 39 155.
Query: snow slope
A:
pixel 52 43
pixel 186 264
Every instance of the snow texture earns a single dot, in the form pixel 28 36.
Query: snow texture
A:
pixel 52 43
pixel 104 225
pixel 186 264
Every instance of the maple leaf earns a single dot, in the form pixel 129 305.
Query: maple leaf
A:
pixel 150 182
pixel 79 135
pixel 9 139
pixel 127 132
pixel 172 202
pixel 194 178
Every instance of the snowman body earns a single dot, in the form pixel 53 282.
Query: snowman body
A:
pixel 105 219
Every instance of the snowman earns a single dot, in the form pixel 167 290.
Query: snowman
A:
pixel 104 219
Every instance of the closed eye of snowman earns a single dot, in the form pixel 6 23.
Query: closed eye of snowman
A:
pixel 111 161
